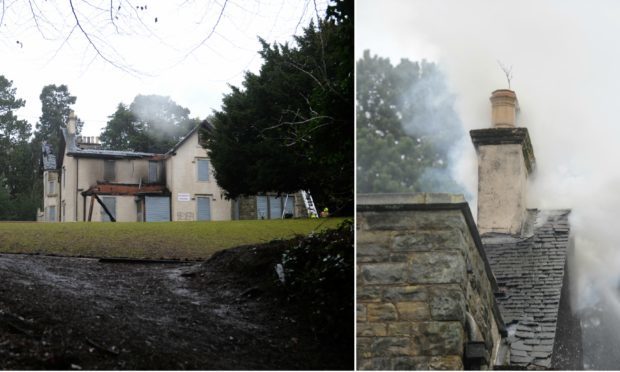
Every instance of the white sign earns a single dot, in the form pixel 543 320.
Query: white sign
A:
pixel 183 197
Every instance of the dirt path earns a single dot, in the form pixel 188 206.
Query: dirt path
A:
pixel 75 313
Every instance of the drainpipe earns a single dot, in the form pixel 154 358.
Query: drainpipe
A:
pixel 77 178
pixel 60 186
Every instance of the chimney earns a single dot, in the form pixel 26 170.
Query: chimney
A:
pixel 505 161
pixel 71 124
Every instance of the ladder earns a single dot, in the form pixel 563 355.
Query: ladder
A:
pixel 309 203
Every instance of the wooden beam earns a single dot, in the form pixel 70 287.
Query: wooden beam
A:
pixel 105 208
pixel 90 212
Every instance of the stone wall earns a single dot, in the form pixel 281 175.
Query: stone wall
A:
pixel 247 207
pixel 421 270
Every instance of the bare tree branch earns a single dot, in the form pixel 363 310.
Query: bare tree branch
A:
pixel 3 11
pixel 210 33
pixel 94 45
pixel 507 71
pixel 62 44
pixel 36 22
pixel 112 15
pixel 302 16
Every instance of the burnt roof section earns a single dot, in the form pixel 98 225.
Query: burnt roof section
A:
pixel 47 157
pixel 74 150
pixel 506 136
pixel 530 273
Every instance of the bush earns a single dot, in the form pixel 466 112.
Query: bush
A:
pixel 317 273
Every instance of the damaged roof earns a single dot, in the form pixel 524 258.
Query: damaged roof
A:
pixel 48 158
pixel 74 150
pixel 530 273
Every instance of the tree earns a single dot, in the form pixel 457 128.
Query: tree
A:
pixel 56 104
pixel 406 127
pixel 14 135
pixel 18 165
pixel 120 132
pixel 150 124
pixel 291 126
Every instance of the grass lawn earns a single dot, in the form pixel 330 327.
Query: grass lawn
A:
pixel 177 240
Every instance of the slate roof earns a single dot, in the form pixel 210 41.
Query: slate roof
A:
pixel 530 272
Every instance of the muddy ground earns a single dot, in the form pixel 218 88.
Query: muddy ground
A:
pixel 78 313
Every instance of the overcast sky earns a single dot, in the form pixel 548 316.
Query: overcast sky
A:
pixel 168 57
pixel 566 67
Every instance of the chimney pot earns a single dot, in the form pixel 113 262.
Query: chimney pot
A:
pixel 504 108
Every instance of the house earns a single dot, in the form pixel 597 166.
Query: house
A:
pixel 437 290
pixel 87 183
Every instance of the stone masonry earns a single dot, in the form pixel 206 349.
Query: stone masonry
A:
pixel 425 292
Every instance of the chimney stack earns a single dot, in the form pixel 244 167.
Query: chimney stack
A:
pixel 71 124
pixel 505 161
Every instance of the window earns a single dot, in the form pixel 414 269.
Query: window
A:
pixel 51 187
pixel 109 169
pixel 203 169
pixel 110 203
pixel 153 174
pixel 51 213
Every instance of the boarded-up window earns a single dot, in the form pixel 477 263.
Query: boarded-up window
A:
pixel 110 203
pixel 261 207
pixel 51 213
pixel 153 173
pixel 157 208
pixel 203 169
pixel 203 204
pixel 109 170
pixel 275 207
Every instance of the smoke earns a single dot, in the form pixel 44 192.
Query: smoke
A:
pixel 164 117
pixel 565 66
pixel 434 116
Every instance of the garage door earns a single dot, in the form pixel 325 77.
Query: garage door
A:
pixel 261 207
pixel 157 208
pixel 275 207
pixel 204 208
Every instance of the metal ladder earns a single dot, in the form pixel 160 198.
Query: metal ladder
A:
pixel 309 203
